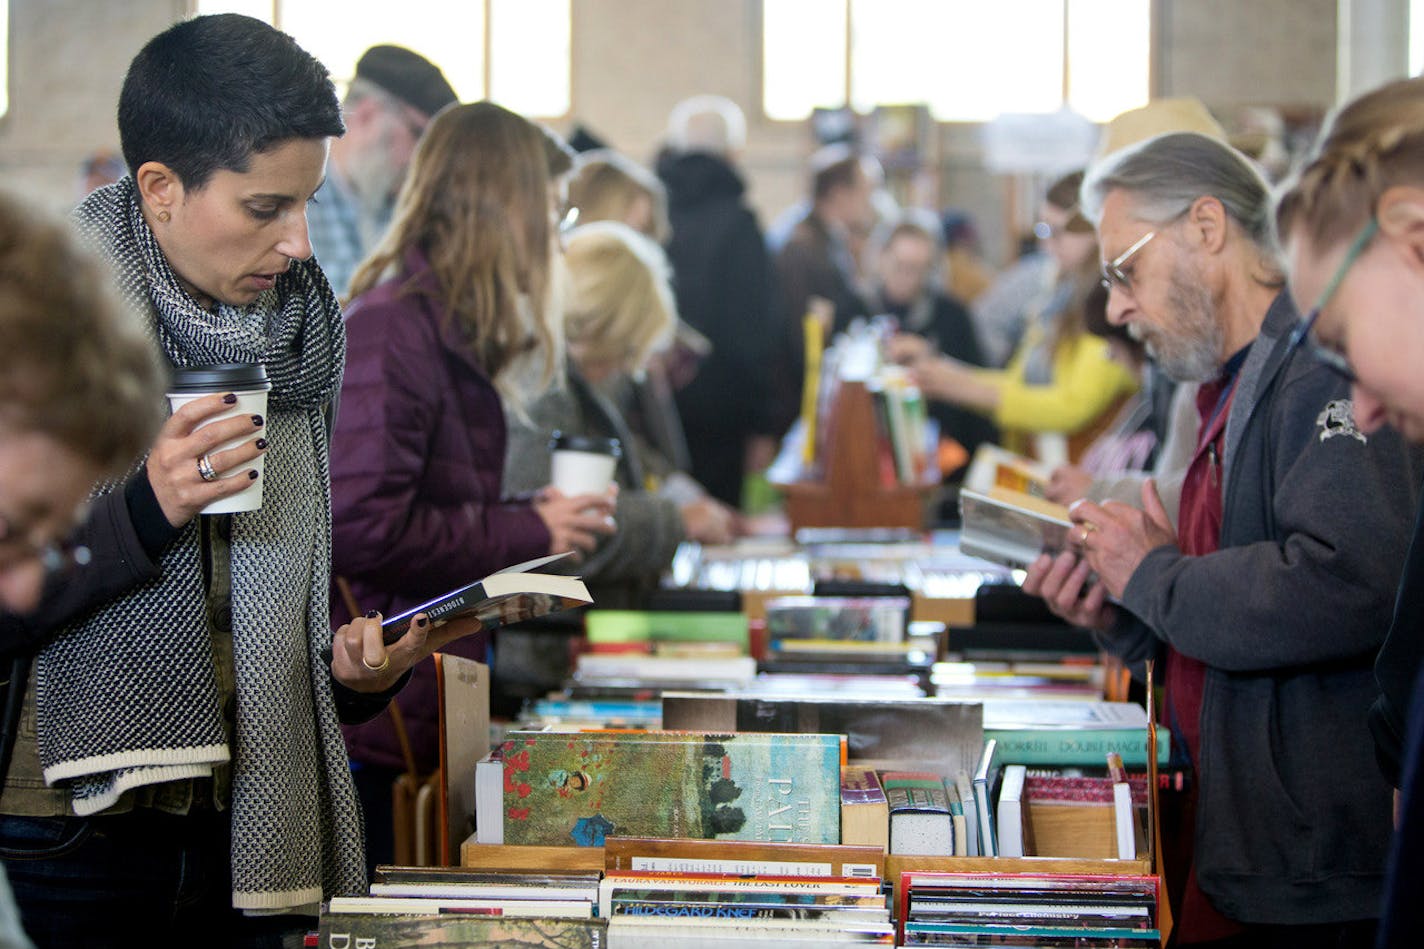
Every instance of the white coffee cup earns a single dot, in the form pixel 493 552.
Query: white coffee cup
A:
pixel 583 464
pixel 249 383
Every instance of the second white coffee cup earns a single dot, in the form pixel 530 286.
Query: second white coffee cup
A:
pixel 250 384
pixel 583 464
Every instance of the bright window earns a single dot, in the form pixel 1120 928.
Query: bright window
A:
pixel 515 51
pixel 4 58
pixel 966 59
pixel 1416 37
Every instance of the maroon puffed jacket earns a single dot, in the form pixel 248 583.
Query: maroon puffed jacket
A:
pixel 417 455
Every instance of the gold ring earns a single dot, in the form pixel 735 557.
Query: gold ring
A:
pixel 205 469
pixel 1088 528
pixel 385 663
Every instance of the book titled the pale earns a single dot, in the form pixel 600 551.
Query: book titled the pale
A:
pixel 512 595
pixel 578 788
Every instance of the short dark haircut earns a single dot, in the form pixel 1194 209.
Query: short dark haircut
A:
pixel 209 93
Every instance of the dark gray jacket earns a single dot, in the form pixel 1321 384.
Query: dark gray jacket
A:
pixel 1293 817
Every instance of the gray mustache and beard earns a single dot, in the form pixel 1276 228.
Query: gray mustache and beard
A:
pixel 1189 349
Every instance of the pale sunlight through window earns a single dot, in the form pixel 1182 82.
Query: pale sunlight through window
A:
pixel 1416 37
pixel 530 58
pixel 529 68
pixel 967 60
pixel 803 56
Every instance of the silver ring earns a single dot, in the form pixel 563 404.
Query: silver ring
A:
pixel 205 469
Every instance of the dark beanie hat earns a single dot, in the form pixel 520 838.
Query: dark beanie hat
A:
pixel 408 76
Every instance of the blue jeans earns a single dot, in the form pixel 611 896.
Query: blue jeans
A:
pixel 139 879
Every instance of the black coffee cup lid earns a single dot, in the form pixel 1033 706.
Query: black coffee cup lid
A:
pixel 222 377
pixel 568 441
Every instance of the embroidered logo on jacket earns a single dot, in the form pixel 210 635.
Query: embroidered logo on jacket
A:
pixel 1339 419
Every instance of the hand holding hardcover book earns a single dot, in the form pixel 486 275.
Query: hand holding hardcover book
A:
pixel 512 595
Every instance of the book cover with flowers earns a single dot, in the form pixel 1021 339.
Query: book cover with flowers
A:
pixel 577 788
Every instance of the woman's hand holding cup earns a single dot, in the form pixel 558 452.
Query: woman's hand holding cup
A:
pixel 576 522
pixel 174 463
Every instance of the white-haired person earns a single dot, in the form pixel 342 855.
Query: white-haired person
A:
pixel 618 311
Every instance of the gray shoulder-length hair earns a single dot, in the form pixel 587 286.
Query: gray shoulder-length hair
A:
pixel 1164 175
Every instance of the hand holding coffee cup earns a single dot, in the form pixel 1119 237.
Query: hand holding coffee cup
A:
pixel 209 455
pixel 583 464
pixel 578 506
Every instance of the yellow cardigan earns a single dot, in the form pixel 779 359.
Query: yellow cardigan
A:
pixel 1086 383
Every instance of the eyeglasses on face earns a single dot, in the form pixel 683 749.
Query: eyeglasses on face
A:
pixel 1331 358
pixel 1114 272
pixel 54 557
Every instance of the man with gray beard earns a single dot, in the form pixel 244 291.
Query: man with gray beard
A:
pixel 1267 604
pixel 390 101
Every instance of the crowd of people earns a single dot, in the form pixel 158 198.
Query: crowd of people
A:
pixel 202 721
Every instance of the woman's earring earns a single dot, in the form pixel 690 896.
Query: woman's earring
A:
pixel 164 216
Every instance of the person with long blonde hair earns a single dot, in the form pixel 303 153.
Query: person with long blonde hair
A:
pixel 453 320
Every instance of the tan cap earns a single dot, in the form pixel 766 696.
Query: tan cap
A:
pixel 1158 117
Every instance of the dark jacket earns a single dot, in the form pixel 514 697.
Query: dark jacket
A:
pixel 725 290
pixel 416 462
pixel 1403 917
pixel 1293 818
pixel 814 263
pixel 1400 660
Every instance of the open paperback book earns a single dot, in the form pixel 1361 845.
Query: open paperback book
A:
pixel 512 595
pixel 1010 527
pixel 995 467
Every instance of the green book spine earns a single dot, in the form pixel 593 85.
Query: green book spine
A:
pixel 634 626
pixel 576 789
pixel 1071 746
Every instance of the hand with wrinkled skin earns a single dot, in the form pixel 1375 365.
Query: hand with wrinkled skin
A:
pixel 1060 582
pixel 1115 537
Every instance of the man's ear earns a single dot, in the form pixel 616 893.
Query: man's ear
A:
pixel 1207 221
pixel 1400 213
pixel 158 186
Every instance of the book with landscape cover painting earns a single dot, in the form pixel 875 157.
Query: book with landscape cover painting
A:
pixel 578 788
pixel 512 595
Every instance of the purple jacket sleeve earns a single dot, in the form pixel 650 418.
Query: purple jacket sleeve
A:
pixel 408 513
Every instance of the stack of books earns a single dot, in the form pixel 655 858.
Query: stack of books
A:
pixel 422 906
pixel 647 909
pixel 980 909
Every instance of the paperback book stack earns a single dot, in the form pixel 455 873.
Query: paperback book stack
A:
pixel 649 910
pixel 423 906
pixel 980 909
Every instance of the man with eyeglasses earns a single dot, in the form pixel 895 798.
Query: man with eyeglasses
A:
pixel 391 99
pixel 1266 605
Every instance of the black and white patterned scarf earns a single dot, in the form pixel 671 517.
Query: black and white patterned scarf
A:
pixel 129 697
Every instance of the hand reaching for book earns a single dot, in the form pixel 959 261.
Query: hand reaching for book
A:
pixel 1062 582
pixel 576 523
pixel 1067 484
pixel 362 662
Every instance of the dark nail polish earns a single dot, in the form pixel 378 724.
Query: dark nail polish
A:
pixel 252 475
pixel 421 623
pixel 261 443
pixel 371 614
pixel 257 420
pixel 230 398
